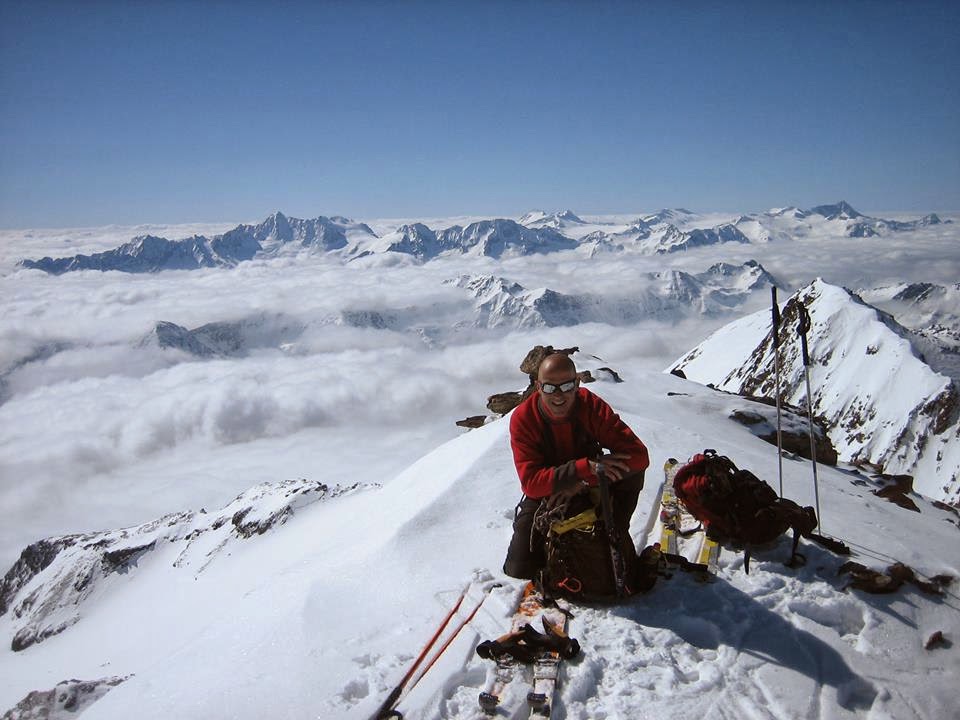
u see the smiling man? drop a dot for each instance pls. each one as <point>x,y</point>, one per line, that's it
<point>558,436</point>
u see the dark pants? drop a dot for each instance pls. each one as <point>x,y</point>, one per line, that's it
<point>526,555</point>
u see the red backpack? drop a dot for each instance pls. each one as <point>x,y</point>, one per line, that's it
<point>736,507</point>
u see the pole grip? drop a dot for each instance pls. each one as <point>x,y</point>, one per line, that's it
<point>613,536</point>
<point>775,311</point>
<point>803,325</point>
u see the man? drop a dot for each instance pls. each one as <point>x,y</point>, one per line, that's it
<point>558,435</point>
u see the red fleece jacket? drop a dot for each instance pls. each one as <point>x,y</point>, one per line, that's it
<point>537,460</point>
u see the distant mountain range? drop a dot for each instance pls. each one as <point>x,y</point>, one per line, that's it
<point>489,302</point>
<point>537,232</point>
<point>872,387</point>
<point>667,294</point>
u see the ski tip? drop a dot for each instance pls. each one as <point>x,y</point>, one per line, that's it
<point>488,703</point>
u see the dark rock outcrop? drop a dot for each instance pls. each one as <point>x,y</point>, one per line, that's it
<point>69,696</point>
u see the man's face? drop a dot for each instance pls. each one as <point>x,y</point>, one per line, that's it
<point>558,403</point>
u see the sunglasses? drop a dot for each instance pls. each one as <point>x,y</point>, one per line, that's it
<point>549,388</point>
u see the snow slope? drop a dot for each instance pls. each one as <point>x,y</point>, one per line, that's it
<point>319,617</point>
<point>882,403</point>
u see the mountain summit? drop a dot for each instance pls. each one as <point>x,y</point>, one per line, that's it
<point>883,405</point>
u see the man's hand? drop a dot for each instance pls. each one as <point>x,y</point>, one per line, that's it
<point>614,466</point>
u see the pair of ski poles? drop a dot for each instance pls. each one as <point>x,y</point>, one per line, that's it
<point>388,708</point>
<point>803,326</point>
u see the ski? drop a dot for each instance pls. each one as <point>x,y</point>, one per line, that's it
<point>683,542</point>
<point>709,554</point>
<point>503,675</point>
<point>669,510</point>
<point>525,644</point>
<point>546,667</point>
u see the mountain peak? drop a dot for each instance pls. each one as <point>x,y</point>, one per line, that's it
<point>838,211</point>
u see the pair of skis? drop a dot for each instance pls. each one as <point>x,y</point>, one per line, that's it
<point>524,644</point>
<point>682,540</point>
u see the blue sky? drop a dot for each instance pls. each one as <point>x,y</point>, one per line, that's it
<point>129,112</point>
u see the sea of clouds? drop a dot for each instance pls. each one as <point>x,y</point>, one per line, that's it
<point>101,428</point>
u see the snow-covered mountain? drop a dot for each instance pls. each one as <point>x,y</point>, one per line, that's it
<point>932,311</point>
<point>667,216</point>
<point>499,238</point>
<point>296,600</point>
<point>839,219</point>
<point>276,234</point>
<point>557,220</point>
<point>667,231</point>
<point>415,239</point>
<point>147,253</point>
<point>344,366</point>
<point>662,295</point>
<point>675,240</point>
<point>226,338</point>
<point>883,405</point>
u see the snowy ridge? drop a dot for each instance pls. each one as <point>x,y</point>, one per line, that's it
<point>499,238</point>
<point>537,232</point>
<point>226,338</point>
<point>147,253</point>
<point>47,590</point>
<point>882,404</point>
<point>556,220</point>
<point>666,294</point>
<point>276,234</point>
<point>930,310</point>
<point>271,629</point>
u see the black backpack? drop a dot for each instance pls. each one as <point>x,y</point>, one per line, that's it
<point>580,559</point>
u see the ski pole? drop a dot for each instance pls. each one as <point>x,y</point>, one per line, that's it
<point>803,326</point>
<point>613,536</point>
<point>387,709</point>
<point>453,635</point>
<point>775,309</point>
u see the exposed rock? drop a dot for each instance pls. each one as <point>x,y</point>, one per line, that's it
<point>68,699</point>
<point>937,640</point>
<point>502,403</point>
<point>614,375</point>
<point>876,582</point>
<point>531,363</point>
<point>897,492</point>
<point>473,422</point>
<point>794,433</point>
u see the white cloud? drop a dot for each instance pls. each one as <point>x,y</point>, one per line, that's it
<point>95,415</point>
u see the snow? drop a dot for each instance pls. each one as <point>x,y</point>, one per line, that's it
<point>883,404</point>
<point>320,616</point>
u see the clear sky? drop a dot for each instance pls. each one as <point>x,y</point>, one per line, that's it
<point>133,111</point>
